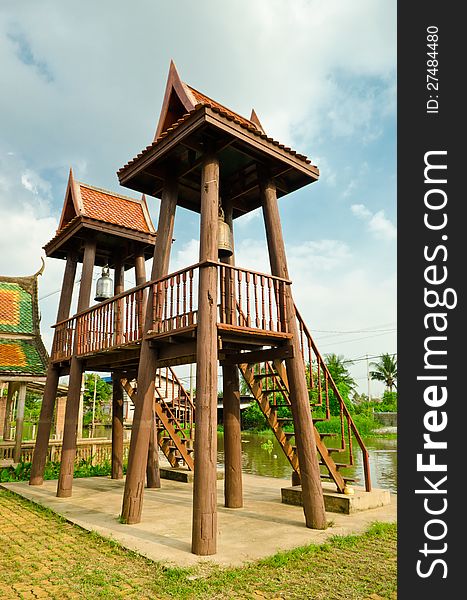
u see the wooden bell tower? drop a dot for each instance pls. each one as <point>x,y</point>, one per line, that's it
<point>96,228</point>
<point>210,160</point>
<point>202,152</point>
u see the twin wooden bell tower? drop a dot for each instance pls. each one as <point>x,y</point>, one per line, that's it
<point>212,311</point>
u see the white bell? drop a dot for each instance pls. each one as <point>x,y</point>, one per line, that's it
<point>104,286</point>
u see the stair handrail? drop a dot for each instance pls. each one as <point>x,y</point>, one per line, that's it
<point>345,410</point>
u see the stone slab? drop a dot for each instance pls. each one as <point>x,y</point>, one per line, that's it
<point>182,475</point>
<point>335,502</point>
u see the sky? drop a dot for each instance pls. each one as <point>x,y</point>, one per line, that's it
<point>81,86</point>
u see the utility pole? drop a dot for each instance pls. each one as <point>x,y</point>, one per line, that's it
<point>368,377</point>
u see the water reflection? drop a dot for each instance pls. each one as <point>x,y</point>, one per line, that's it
<point>258,458</point>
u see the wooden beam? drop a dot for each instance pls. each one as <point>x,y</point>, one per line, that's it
<point>233,485</point>
<point>312,492</point>
<point>53,374</point>
<point>204,531</point>
<point>143,418</point>
<point>256,356</point>
<point>117,426</point>
<point>65,481</point>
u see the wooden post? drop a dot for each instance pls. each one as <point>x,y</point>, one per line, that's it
<point>312,491</point>
<point>12,387</point>
<point>119,288</point>
<point>53,374</point>
<point>117,391</point>
<point>19,422</point>
<point>65,481</point>
<point>204,532</point>
<point>153,479</point>
<point>233,486</point>
<point>117,426</point>
<point>143,415</point>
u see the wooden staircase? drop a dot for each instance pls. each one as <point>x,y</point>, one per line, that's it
<point>174,415</point>
<point>269,386</point>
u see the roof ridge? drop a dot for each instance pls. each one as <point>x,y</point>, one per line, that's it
<point>109,192</point>
<point>222,105</point>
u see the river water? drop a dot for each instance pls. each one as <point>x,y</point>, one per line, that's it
<point>259,458</point>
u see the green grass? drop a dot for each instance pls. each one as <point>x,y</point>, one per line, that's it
<point>42,551</point>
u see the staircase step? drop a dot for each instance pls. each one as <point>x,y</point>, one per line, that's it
<point>326,434</point>
<point>275,406</point>
<point>271,390</point>
<point>324,476</point>
<point>289,434</point>
<point>338,465</point>
<point>264,375</point>
<point>284,419</point>
<point>319,419</point>
<point>336,449</point>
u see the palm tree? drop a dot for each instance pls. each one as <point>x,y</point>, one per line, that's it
<point>385,370</point>
<point>337,366</point>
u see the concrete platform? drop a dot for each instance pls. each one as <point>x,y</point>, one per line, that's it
<point>181,474</point>
<point>340,503</point>
<point>263,527</point>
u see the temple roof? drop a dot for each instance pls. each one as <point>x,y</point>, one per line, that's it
<point>180,98</point>
<point>189,123</point>
<point>22,352</point>
<point>120,225</point>
<point>85,200</point>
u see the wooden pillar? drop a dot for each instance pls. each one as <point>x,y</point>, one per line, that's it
<point>117,390</point>
<point>204,532</point>
<point>53,375</point>
<point>65,480</point>
<point>12,387</point>
<point>117,426</point>
<point>233,485</point>
<point>312,492</point>
<point>143,415</point>
<point>19,421</point>
<point>153,479</point>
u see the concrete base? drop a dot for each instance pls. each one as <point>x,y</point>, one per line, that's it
<point>340,503</point>
<point>262,527</point>
<point>182,475</point>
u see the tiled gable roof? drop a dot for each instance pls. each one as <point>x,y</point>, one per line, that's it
<point>20,357</point>
<point>206,101</point>
<point>15,309</point>
<point>112,208</point>
<point>84,200</point>
<point>22,351</point>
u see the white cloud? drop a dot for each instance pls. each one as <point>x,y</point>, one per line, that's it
<point>360,210</point>
<point>378,224</point>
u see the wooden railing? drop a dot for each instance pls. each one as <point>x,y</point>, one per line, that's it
<point>320,383</point>
<point>96,450</point>
<point>175,399</point>
<point>251,299</point>
<point>247,300</point>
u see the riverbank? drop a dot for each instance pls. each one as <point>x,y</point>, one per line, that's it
<point>44,556</point>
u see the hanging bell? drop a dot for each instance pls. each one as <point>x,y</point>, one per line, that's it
<point>225,241</point>
<point>104,286</point>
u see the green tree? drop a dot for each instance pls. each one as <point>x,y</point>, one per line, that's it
<point>337,366</point>
<point>385,370</point>
<point>103,395</point>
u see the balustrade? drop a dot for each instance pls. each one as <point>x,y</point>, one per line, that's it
<point>247,301</point>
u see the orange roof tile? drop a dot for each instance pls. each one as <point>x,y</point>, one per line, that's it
<point>205,100</point>
<point>111,208</point>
